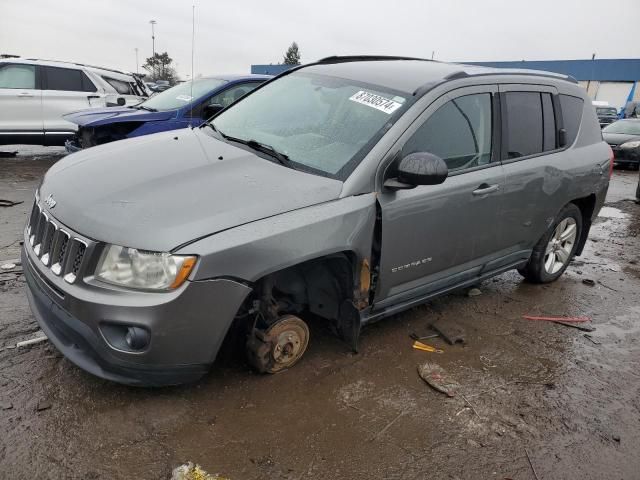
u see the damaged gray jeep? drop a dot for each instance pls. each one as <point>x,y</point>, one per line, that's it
<point>348,190</point>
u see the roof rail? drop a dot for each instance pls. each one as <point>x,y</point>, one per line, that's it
<point>80,65</point>
<point>364,58</point>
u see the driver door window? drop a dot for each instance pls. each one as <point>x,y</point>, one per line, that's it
<point>225,98</point>
<point>459,132</point>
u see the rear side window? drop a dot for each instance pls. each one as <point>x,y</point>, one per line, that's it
<point>68,80</point>
<point>122,87</point>
<point>459,132</point>
<point>18,76</point>
<point>571,116</point>
<point>531,124</point>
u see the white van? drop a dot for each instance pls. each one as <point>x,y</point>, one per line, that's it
<point>35,94</point>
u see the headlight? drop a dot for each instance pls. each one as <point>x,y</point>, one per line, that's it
<point>133,268</point>
<point>634,144</point>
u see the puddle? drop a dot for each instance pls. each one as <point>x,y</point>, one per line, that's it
<point>611,212</point>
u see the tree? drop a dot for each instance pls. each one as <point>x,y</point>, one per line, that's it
<point>159,68</point>
<point>292,55</point>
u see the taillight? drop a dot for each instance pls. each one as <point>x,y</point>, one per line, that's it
<point>610,162</point>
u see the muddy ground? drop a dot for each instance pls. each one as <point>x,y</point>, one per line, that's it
<point>538,395</point>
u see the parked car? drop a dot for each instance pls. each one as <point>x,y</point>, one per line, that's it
<point>350,189</point>
<point>35,94</point>
<point>624,138</point>
<point>185,104</point>
<point>606,115</point>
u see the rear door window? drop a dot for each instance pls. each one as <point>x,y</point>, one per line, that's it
<point>571,115</point>
<point>68,80</point>
<point>18,76</point>
<point>524,124</point>
<point>459,132</point>
<point>548,123</point>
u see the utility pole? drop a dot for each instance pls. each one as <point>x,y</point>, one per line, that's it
<point>136,49</point>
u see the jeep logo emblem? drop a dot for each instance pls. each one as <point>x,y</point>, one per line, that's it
<point>50,202</point>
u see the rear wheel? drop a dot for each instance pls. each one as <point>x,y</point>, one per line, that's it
<point>280,346</point>
<point>553,252</point>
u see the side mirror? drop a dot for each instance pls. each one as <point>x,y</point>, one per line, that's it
<point>419,168</point>
<point>210,110</point>
<point>121,102</point>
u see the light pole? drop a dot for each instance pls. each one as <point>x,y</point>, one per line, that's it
<point>136,49</point>
<point>153,37</point>
<point>153,45</point>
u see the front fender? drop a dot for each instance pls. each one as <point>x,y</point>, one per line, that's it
<point>251,251</point>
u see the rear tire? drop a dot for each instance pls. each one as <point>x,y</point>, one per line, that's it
<point>555,250</point>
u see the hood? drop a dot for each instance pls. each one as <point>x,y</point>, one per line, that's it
<point>95,117</point>
<point>619,138</point>
<point>160,191</point>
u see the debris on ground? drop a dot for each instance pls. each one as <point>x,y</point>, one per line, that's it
<point>8,266</point>
<point>577,326</point>
<point>415,336</point>
<point>438,379</point>
<point>190,471</point>
<point>588,281</point>
<point>32,341</point>
<point>449,330</point>
<point>593,340</point>
<point>558,319</point>
<point>474,292</point>
<point>9,203</point>
<point>6,405</point>
<point>43,405</point>
<point>426,348</point>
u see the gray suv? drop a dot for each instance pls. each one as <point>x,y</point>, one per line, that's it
<point>348,190</point>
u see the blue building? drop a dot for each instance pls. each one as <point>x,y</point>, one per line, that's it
<point>609,80</point>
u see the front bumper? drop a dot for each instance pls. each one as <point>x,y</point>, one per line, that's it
<point>186,327</point>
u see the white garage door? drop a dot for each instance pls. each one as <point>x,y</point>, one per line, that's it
<point>615,93</point>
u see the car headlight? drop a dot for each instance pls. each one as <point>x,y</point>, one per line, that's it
<point>133,268</point>
<point>634,144</point>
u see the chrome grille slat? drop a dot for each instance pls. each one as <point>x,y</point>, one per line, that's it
<point>57,248</point>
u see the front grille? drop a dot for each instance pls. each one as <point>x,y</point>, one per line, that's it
<point>56,248</point>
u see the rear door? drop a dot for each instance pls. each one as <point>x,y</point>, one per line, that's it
<point>436,235</point>
<point>537,169</point>
<point>65,90</point>
<point>20,100</point>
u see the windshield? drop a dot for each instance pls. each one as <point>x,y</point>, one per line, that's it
<point>181,95</point>
<point>322,124</point>
<point>606,111</point>
<point>629,127</point>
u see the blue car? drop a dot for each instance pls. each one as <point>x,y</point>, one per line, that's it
<point>188,103</point>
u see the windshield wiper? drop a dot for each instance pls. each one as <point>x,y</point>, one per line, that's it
<point>282,158</point>
<point>148,109</point>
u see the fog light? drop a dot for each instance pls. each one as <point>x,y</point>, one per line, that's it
<point>137,338</point>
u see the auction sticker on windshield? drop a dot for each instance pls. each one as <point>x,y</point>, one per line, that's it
<point>376,101</point>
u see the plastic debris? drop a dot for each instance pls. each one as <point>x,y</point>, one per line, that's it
<point>6,405</point>
<point>437,378</point>
<point>588,281</point>
<point>31,341</point>
<point>426,348</point>
<point>474,292</point>
<point>8,266</point>
<point>191,471</point>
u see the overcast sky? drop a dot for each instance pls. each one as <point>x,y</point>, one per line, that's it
<point>231,35</point>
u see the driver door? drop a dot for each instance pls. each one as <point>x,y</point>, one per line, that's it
<point>436,235</point>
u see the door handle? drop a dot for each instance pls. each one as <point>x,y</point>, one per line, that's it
<point>485,189</point>
<point>25,94</point>
<point>92,96</point>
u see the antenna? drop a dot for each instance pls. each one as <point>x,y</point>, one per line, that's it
<point>193,39</point>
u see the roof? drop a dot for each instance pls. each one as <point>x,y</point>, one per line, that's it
<point>62,64</point>
<point>234,76</point>
<point>606,69</point>
<point>407,74</point>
